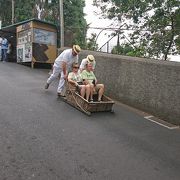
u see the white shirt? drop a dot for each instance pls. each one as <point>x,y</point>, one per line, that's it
<point>67,57</point>
<point>4,44</point>
<point>84,62</point>
<point>75,76</point>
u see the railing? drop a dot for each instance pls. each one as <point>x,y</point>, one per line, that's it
<point>107,43</point>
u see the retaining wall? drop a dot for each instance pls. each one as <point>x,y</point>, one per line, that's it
<point>150,85</point>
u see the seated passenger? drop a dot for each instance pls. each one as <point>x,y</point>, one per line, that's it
<point>74,77</point>
<point>90,79</point>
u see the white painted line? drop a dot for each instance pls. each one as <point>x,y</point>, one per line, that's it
<point>174,127</point>
<point>149,118</point>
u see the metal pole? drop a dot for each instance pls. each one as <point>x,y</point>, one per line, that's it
<point>108,47</point>
<point>61,22</point>
<point>12,12</point>
<point>97,38</point>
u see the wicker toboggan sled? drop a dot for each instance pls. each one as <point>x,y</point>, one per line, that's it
<point>73,98</point>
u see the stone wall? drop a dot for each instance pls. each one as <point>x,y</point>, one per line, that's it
<point>150,85</point>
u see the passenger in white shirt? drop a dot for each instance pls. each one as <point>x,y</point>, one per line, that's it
<point>89,59</point>
<point>62,65</point>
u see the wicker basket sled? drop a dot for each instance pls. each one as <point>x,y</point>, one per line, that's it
<point>73,98</point>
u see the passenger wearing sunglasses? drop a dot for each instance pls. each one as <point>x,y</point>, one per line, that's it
<point>75,78</point>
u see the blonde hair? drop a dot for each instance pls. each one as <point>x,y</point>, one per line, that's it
<point>74,64</point>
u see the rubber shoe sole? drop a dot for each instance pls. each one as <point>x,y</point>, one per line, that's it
<point>46,86</point>
<point>60,95</point>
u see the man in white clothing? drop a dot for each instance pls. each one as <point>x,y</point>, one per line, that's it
<point>4,48</point>
<point>88,60</point>
<point>62,65</point>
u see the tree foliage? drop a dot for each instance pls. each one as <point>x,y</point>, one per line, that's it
<point>91,42</point>
<point>74,20</point>
<point>27,9</point>
<point>5,12</point>
<point>155,24</point>
<point>126,49</point>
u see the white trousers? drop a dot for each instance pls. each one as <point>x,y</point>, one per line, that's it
<point>56,72</point>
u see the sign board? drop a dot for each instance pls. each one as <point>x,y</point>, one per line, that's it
<point>44,37</point>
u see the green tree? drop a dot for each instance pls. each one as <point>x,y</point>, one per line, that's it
<point>156,24</point>
<point>127,49</point>
<point>73,15</point>
<point>74,20</point>
<point>23,10</point>
<point>91,42</point>
<point>5,12</point>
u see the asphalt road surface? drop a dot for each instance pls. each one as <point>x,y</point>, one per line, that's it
<point>42,138</point>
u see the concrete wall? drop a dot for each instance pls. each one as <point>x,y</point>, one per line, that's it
<point>150,85</point>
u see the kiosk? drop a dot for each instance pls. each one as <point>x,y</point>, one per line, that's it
<point>33,41</point>
<point>36,42</point>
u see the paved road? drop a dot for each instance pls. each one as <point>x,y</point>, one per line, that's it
<point>42,138</point>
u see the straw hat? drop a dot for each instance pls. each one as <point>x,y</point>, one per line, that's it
<point>90,58</point>
<point>76,49</point>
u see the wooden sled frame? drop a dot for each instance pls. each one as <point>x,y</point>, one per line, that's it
<point>73,98</point>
